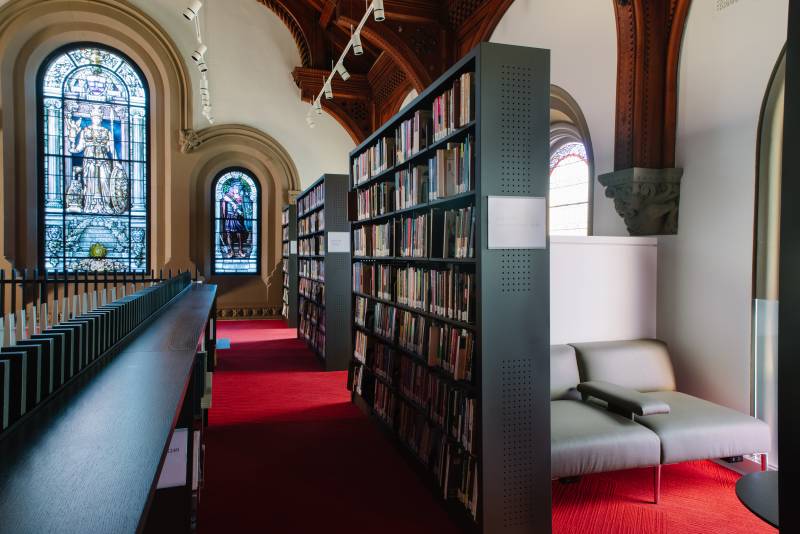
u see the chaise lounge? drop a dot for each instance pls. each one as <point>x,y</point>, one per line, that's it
<point>614,406</point>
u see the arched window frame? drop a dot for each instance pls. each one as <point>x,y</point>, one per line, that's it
<point>40,147</point>
<point>568,125</point>
<point>257,223</point>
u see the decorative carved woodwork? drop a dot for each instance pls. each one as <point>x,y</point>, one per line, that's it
<point>649,35</point>
<point>418,40</point>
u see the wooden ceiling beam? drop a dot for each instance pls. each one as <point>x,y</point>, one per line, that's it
<point>310,81</point>
<point>407,11</point>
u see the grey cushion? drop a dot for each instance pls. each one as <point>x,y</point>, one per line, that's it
<point>586,439</point>
<point>642,364</point>
<point>563,372</point>
<point>623,399</point>
<point>696,429</point>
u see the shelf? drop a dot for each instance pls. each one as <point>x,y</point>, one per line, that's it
<point>452,199</point>
<point>399,259</point>
<point>317,232</point>
<point>312,301</point>
<point>425,151</point>
<point>312,279</point>
<point>418,311</point>
<point>310,211</point>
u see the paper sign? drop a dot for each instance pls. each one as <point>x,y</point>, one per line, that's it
<point>173,473</point>
<point>338,241</point>
<point>292,247</point>
<point>517,222</point>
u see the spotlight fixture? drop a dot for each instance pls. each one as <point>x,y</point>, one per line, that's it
<point>310,121</point>
<point>318,106</point>
<point>328,90</point>
<point>378,12</point>
<point>198,54</point>
<point>202,66</point>
<point>342,71</point>
<point>358,49</point>
<point>194,7</point>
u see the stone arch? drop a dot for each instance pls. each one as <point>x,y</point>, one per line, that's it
<point>29,32</point>
<point>210,151</point>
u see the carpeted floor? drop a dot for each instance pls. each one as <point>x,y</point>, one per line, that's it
<point>286,452</point>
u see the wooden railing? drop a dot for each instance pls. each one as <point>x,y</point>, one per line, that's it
<point>31,301</point>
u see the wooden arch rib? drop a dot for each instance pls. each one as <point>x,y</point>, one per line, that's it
<point>294,28</point>
<point>389,41</point>
<point>481,24</point>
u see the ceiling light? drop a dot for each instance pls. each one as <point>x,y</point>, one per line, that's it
<point>198,54</point>
<point>328,90</point>
<point>378,12</point>
<point>342,71</point>
<point>202,66</point>
<point>310,121</point>
<point>358,49</point>
<point>194,7</point>
<point>318,106</point>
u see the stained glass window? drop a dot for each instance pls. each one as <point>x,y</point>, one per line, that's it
<point>94,124</point>
<point>236,225</point>
<point>569,190</point>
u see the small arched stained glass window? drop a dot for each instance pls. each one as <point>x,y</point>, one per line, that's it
<point>569,190</point>
<point>94,167</point>
<point>236,223</point>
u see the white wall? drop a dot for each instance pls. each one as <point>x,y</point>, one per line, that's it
<point>582,38</point>
<point>602,288</point>
<point>251,56</point>
<point>705,271</point>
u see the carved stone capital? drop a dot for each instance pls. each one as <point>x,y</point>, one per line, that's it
<point>190,141</point>
<point>646,199</point>
<point>293,194</point>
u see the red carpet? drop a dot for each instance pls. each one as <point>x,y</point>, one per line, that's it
<point>287,452</point>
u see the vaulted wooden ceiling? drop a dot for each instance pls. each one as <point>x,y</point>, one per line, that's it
<point>416,43</point>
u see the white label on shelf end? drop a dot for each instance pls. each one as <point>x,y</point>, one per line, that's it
<point>173,473</point>
<point>338,241</point>
<point>292,247</point>
<point>517,222</point>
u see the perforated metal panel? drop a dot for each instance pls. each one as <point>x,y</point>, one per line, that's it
<point>517,126</point>
<point>517,413</point>
<point>516,272</point>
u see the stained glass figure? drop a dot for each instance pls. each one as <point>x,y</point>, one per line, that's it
<point>94,121</point>
<point>236,223</point>
<point>569,190</point>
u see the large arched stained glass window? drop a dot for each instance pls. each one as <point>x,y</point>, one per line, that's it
<point>94,124</point>
<point>236,223</point>
<point>569,190</point>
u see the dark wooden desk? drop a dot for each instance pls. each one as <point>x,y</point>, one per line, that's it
<point>89,460</point>
<point>759,493</point>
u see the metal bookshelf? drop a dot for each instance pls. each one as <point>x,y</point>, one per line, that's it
<point>324,317</point>
<point>289,247</point>
<point>510,374</point>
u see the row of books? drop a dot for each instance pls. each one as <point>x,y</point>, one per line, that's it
<point>373,279</point>
<point>311,246</point>
<point>285,280</point>
<point>360,311</point>
<point>450,235</point>
<point>454,108</point>
<point>312,334</point>
<point>414,236</point>
<point>449,407</point>
<point>377,199</point>
<point>361,347</point>
<point>285,218</point>
<point>313,199</point>
<point>410,186</point>
<point>285,249</point>
<point>413,135</point>
<point>418,433</point>
<point>383,361</point>
<point>309,309</point>
<point>374,160</point>
<point>311,223</point>
<point>451,170</point>
<point>355,378</point>
<point>374,240</point>
<point>311,268</point>
<point>285,233</point>
<point>384,402</point>
<point>442,345</point>
<point>312,290</point>
<point>457,472</point>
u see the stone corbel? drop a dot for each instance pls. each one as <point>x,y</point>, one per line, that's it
<point>190,141</point>
<point>646,199</point>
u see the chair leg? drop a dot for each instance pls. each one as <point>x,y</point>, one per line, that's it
<point>764,459</point>
<point>657,484</point>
